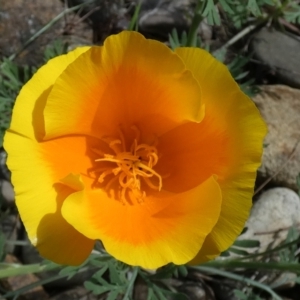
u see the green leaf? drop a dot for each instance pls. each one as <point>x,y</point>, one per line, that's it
<point>133,25</point>
<point>183,38</point>
<point>211,13</point>
<point>220,54</point>
<point>113,295</point>
<point>164,272</point>
<point>159,292</point>
<point>114,274</point>
<point>151,295</point>
<point>226,6</point>
<point>240,295</point>
<point>247,243</point>
<point>254,8</point>
<point>292,235</point>
<point>183,270</point>
<point>98,275</point>
<point>238,251</point>
<point>69,271</point>
<point>225,254</point>
<point>174,39</point>
<point>58,47</point>
<point>96,288</point>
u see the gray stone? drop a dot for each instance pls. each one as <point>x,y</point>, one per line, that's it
<point>21,19</point>
<point>274,213</point>
<point>7,192</point>
<point>4,172</point>
<point>281,52</point>
<point>280,107</point>
<point>75,293</point>
<point>162,16</point>
<point>10,225</point>
<point>194,291</point>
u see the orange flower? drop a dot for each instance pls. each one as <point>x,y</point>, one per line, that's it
<point>151,151</point>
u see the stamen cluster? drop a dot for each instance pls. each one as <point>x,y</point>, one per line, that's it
<point>133,167</point>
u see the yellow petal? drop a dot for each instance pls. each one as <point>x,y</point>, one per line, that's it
<point>27,116</point>
<point>168,228</point>
<point>36,168</point>
<point>237,195</point>
<point>237,132</point>
<point>129,81</point>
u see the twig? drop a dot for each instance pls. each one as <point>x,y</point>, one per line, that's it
<point>289,25</point>
<point>240,35</point>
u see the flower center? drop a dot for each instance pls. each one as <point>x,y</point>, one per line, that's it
<point>131,168</point>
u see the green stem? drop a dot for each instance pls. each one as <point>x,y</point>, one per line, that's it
<point>251,256</point>
<point>28,287</point>
<point>133,25</point>
<point>131,283</point>
<point>8,270</point>
<point>282,266</point>
<point>239,278</point>
<point>197,19</point>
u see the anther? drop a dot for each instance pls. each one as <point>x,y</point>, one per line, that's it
<point>133,168</point>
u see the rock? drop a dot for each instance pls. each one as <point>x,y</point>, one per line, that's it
<point>279,51</point>
<point>10,225</point>
<point>7,192</point>
<point>280,107</point>
<point>285,280</point>
<point>274,213</point>
<point>160,17</point>
<point>76,293</point>
<point>16,282</point>
<point>194,291</point>
<point>21,19</point>
<point>224,289</point>
<point>4,172</point>
<point>105,17</point>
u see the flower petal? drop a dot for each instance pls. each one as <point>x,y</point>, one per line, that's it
<point>36,167</point>
<point>229,144</point>
<point>170,228</point>
<point>27,116</point>
<point>129,81</point>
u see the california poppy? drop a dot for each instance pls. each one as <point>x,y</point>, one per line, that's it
<point>152,151</point>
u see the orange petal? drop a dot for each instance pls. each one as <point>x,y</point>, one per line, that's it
<point>170,228</point>
<point>228,143</point>
<point>27,118</point>
<point>36,167</point>
<point>129,81</point>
